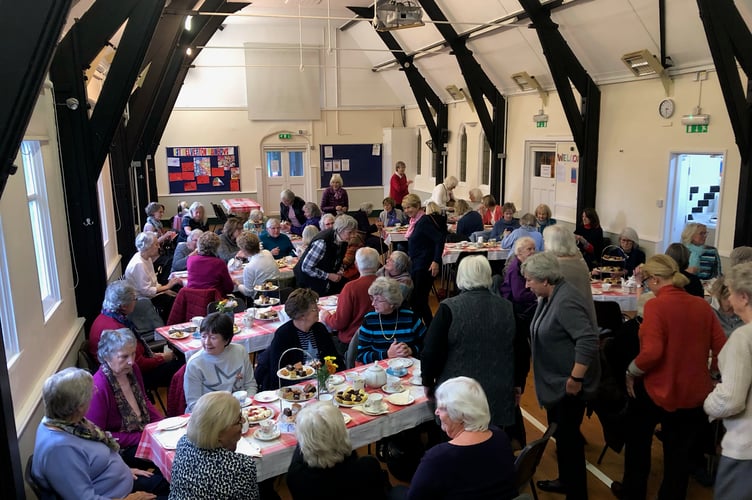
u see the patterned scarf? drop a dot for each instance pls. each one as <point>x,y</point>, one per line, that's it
<point>84,429</point>
<point>156,224</point>
<point>123,320</point>
<point>131,421</point>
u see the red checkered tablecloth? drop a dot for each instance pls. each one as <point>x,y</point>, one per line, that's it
<point>240,204</point>
<point>452,251</point>
<point>627,300</point>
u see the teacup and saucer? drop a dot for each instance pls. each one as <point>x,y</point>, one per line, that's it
<point>375,404</point>
<point>267,430</point>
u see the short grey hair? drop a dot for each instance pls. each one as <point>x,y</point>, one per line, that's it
<point>343,223</point>
<point>309,232</point>
<point>194,235</point>
<point>66,393</point>
<point>740,255</point>
<point>312,208</point>
<point>475,194</point>
<point>195,206</point>
<point>118,294</point>
<point>208,244</point>
<point>401,261</point>
<point>527,220</point>
<point>739,279</point>
<point>387,288</point>
<point>325,219</point>
<point>256,215</point>
<point>367,260</point>
<point>286,195</point>
<point>212,414</point>
<point>366,207</point>
<point>145,240</point>
<point>560,241</point>
<point>113,341</point>
<point>322,435</point>
<point>522,240</point>
<point>153,207</point>
<point>474,273</point>
<point>465,401</point>
<point>542,267</point>
<point>271,221</point>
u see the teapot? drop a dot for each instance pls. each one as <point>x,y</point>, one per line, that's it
<point>375,376</point>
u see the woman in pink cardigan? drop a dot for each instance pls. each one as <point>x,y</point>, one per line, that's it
<point>206,270</point>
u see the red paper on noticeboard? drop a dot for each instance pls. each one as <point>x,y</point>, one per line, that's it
<point>187,166</point>
<point>234,185</point>
<point>176,176</point>
<point>217,172</point>
<point>188,176</point>
<point>202,179</point>
<point>189,186</point>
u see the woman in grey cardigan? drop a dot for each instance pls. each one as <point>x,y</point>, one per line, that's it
<point>565,364</point>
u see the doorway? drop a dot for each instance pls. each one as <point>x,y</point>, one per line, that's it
<point>284,168</point>
<point>551,170</point>
<point>694,194</point>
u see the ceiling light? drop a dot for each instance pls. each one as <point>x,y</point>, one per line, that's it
<point>396,15</point>
<point>455,92</point>
<point>188,23</point>
<point>189,51</point>
<point>643,63</point>
<point>527,82</point>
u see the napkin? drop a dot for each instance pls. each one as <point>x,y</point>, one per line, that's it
<point>249,448</point>
<point>169,439</point>
<point>400,398</point>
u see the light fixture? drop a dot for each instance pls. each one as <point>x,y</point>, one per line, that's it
<point>643,63</point>
<point>396,15</point>
<point>541,117</point>
<point>71,103</point>
<point>188,23</point>
<point>455,92</point>
<point>189,51</point>
<point>696,118</point>
<point>528,82</point>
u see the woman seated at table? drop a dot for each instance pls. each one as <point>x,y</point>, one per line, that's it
<point>489,210</point>
<point>397,267</point>
<point>302,331</point>
<point>255,222</point>
<point>206,465</point>
<point>157,369</point>
<point>391,331</point>
<point>477,462</point>
<point>261,266</point>
<point>291,211</point>
<point>275,241</point>
<point>195,219</point>
<point>704,260</point>
<point>312,214</point>
<point>628,249</point>
<point>680,254</point>
<point>309,233</point>
<point>73,457</point>
<point>507,223</point>
<point>543,217</point>
<point>119,404</point>
<point>334,199</point>
<point>140,273</point>
<point>206,270</point>
<point>469,220</point>
<point>527,228</point>
<point>220,365</point>
<point>391,216</point>
<point>154,212</point>
<point>228,240</point>
<point>349,269</point>
<point>366,228</point>
<point>327,222</point>
<point>184,250</point>
<point>589,237</point>
<point>324,459</point>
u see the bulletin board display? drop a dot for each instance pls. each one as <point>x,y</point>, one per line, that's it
<point>358,164</point>
<point>203,169</point>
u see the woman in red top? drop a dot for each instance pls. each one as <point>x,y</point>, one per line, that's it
<point>398,184</point>
<point>668,380</point>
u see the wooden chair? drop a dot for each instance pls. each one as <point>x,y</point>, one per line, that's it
<point>529,458</point>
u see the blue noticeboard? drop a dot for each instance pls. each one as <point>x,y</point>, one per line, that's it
<point>358,164</point>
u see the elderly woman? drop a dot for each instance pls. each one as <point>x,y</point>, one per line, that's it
<point>704,260</point>
<point>469,221</point>
<point>220,365</point>
<point>206,270</point>
<point>194,219</point>
<point>157,369</point>
<point>507,223</point>
<point>320,266</point>
<point>740,255</point>
<point>255,222</point>
<point>490,210</point>
<point>473,334</point>
<point>291,211</point>
<point>589,236</point>
<point>334,199</point>
<point>312,214</point>
<point>228,244</point>
<point>206,465</point>
<point>119,404</point>
<point>629,250</point>
<point>185,250</point>
<point>324,457</point>
<point>76,459</point>
<point>476,198</point>
<point>565,364</point>
<point>669,379</point>
<point>443,194</point>
<point>680,254</point>
<point>327,222</point>
<point>303,331</point>
<point>154,213</point>
<point>140,273</point>
<point>425,237</point>
<point>731,399</point>
<point>527,228</point>
<point>261,266</point>
<point>477,462</point>
<point>723,308</point>
<point>399,184</point>
<point>309,233</point>
<point>275,241</point>
<point>397,267</point>
<point>543,217</point>
<point>391,215</point>
<point>391,331</point>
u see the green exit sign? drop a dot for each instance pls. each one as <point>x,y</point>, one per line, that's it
<point>697,129</point>
<point>541,124</point>
<point>285,136</point>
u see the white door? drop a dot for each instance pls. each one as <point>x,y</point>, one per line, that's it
<point>285,168</point>
<point>541,175</point>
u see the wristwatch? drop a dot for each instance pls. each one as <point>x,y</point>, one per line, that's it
<point>577,379</point>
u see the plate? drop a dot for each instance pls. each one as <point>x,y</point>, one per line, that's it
<point>235,329</point>
<point>266,396</point>
<point>171,423</point>
<point>256,414</point>
<point>347,418</point>
<point>266,287</point>
<point>342,397</point>
<point>285,374</point>
<point>270,315</point>
<point>263,437</point>
<point>245,404</point>
<point>289,393</point>
<point>597,292</point>
<point>336,379</point>
<point>178,334</point>
<point>395,399</point>
<point>387,390</point>
<point>266,301</point>
<point>384,410</point>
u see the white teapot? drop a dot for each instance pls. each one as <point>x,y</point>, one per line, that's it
<point>375,376</point>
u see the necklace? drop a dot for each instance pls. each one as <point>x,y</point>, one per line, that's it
<point>394,332</point>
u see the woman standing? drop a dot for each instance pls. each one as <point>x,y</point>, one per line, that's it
<point>731,399</point>
<point>589,237</point>
<point>398,184</point>
<point>206,465</point>
<point>668,380</point>
<point>194,219</point>
<point>334,199</point>
<point>119,404</point>
<point>206,270</point>
<point>704,260</point>
<point>443,194</point>
<point>566,367</point>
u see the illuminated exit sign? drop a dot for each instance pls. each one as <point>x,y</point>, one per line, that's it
<point>697,129</point>
<point>285,136</point>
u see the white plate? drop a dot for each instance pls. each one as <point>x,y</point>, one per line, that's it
<point>178,334</point>
<point>256,422</point>
<point>263,437</point>
<point>266,396</point>
<point>383,411</point>
<point>596,292</point>
<point>260,288</point>
<point>403,362</point>
<point>271,301</point>
<point>171,423</point>
<point>310,374</point>
<point>347,418</point>
<point>389,390</point>
<point>275,317</point>
<point>395,401</point>
<point>336,379</point>
<point>245,404</point>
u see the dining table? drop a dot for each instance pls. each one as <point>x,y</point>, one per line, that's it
<point>273,456</point>
<point>493,251</point>
<point>240,206</point>
<point>285,266</point>
<point>626,297</point>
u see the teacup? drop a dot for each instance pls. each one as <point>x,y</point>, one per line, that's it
<point>267,427</point>
<point>329,398</point>
<point>246,425</point>
<point>479,240</point>
<point>397,367</point>
<point>393,383</point>
<point>375,402</point>
<point>241,396</point>
<point>248,320</point>
<point>196,320</point>
<point>356,380</point>
<point>606,287</point>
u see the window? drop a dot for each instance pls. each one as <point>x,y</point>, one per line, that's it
<point>485,161</point>
<point>103,209</point>
<point>285,163</point>
<point>420,153</point>
<point>39,213</point>
<point>7,320</point>
<point>463,155</point>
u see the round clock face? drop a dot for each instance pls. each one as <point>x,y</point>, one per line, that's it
<point>666,108</point>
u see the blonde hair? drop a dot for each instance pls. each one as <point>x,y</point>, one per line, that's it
<point>213,413</point>
<point>690,230</point>
<point>336,178</point>
<point>432,208</point>
<point>322,435</point>
<point>411,200</point>
<point>461,207</point>
<point>663,266</point>
<point>545,209</point>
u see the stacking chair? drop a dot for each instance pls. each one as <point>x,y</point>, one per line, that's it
<point>191,302</point>
<point>529,458</point>
<point>609,317</point>
<point>176,395</point>
<point>352,352</point>
<point>85,359</point>
<point>212,306</point>
<point>219,214</point>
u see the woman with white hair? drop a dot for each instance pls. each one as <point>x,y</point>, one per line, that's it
<point>140,273</point>
<point>206,465</point>
<point>477,462</point>
<point>275,241</point>
<point>704,260</point>
<point>194,219</point>
<point>309,233</point>
<point>334,199</point>
<point>527,228</point>
<point>327,222</point>
<point>185,250</point>
<point>629,249</point>
<point>261,266</point>
<point>473,334</point>
<point>443,194</point>
<point>565,364</point>
<point>291,211</point>
<point>312,214</point>
<point>397,267</point>
<point>324,458</point>
<point>255,222</point>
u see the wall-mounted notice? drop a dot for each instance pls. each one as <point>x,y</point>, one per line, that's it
<point>358,164</point>
<point>203,169</point>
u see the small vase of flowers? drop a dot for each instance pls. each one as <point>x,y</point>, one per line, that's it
<point>227,306</point>
<point>324,371</point>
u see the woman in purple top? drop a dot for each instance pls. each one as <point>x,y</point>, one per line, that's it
<point>206,270</point>
<point>477,462</point>
<point>334,199</point>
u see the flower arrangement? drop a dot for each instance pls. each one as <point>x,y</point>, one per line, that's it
<point>324,371</point>
<point>227,305</point>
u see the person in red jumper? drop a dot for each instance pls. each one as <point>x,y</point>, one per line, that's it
<point>398,184</point>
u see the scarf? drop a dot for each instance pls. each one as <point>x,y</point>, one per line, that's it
<point>84,429</point>
<point>156,224</point>
<point>123,320</point>
<point>130,421</point>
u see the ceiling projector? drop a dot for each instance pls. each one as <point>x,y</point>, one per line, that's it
<point>396,15</point>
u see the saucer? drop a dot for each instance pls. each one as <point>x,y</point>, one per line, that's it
<point>368,411</point>
<point>266,396</point>
<point>248,402</point>
<point>267,437</point>
<point>400,372</point>
<point>392,390</point>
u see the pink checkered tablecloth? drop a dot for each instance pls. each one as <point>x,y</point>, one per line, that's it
<point>627,300</point>
<point>452,251</point>
<point>233,205</point>
<point>277,454</point>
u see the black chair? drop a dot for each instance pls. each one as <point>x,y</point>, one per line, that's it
<point>85,359</point>
<point>219,214</point>
<point>609,317</point>
<point>352,352</point>
<point>529,458</point>
<point>212,307</point>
